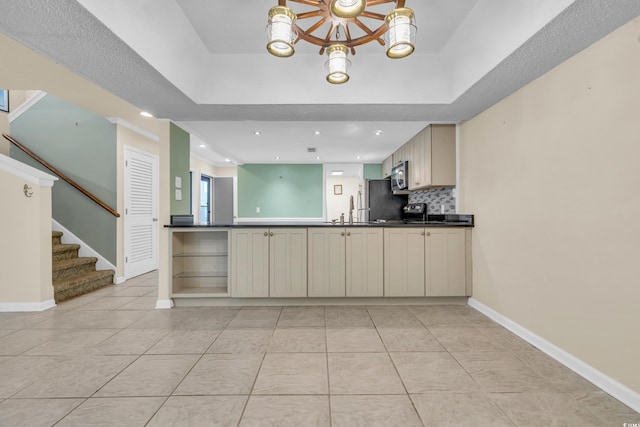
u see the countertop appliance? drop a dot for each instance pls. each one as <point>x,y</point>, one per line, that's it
<point>400,178</point>
<point>380,203</point>
<point>415,212</point>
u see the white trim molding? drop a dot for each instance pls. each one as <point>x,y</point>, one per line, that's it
<point>22,108</point>
<point>122,122</point>
<point>6,307</point>
<point>619,391</point>
<point>85,250</point>
<point>26,172</point>
<point>164,304</point>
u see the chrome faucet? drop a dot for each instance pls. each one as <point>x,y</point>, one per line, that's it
<point>350,210</point>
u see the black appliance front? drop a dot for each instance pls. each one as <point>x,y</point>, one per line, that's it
<point>381,203</point>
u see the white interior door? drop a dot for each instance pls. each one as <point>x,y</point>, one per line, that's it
<point>141,212</point>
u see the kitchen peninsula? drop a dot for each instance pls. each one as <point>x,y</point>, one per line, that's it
<point>320,262</point>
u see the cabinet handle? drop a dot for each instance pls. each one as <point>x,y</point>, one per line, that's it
<point>422,233</point>
<point>417,183</point>
<point>428,233</point>
<point>271,234</point>
<point>266,234</point>
<point>342,234</point>
<point>348,233</point>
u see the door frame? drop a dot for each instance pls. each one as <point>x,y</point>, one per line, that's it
<point>156,205</point>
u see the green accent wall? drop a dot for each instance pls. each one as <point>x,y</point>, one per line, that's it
<point>82,145</point>
<point>180,159</point>
<point>280,191</point>
<point>372,171</point>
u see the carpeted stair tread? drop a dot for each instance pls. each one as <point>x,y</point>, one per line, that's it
<point>64,248</point>
<point>56,234</point>
<point>70,287</point>
<point>73,262</point>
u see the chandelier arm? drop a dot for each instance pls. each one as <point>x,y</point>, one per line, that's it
<point>372,15</point>
<point>400,3</point>
<point>313,3</point>
<point>371,35</point>
<point>347,35</point>
<point>311,29</point>
<point>311,14</point>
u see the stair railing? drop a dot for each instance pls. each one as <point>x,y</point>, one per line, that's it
<point>62,176</point>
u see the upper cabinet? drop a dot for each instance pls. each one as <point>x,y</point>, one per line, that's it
<point>387,164</point>
<point>432,157</point>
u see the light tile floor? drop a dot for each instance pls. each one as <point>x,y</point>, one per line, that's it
<point>109,358</point>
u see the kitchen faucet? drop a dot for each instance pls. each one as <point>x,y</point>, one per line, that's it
<point>351,210</point>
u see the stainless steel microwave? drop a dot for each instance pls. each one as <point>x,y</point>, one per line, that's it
<point>400,177</point>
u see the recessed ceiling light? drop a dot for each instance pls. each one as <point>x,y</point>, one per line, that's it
<point>227,160</point>
<point>358,157</point>
<point>337,172</point>
<point>277,157</point>
<point>378,132</point>
<point>317,157</point>
<point>145,114</point>
<point>317,132</point>
<point>257,132</point>
<point>203,146</point>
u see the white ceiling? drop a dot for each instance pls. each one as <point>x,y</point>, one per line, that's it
<point>204,65</point>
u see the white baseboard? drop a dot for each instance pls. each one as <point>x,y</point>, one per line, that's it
<point>26,306</point>
<point>621,392</point>
<point>85,250</point>
<point>164,303</point>
<point>118,280</point>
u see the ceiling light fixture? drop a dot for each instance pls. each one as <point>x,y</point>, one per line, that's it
<point>257,132</point>
<point>203,146</point>
<point>227,160</point>
<point>337,172</point>
<point>317,132</point>
<point>397,30</point>
<point>378,132</point>
<point>146,114</point>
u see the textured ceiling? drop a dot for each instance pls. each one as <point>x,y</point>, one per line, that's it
<point>170,73</point>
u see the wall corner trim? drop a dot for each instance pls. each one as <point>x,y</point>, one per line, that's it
<point>26,172</point>
<point>6,307</point>
<point>122,122</point>
<point>22,108</point>
<point>619,391</point>
<point>164,304</point>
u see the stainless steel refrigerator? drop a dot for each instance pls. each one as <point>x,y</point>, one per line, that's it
<point>380,203</point>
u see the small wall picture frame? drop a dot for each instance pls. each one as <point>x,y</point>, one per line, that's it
<point>4,100</point>
<point>337,190</point>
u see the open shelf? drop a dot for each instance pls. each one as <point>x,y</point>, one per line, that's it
<point>200,262</point>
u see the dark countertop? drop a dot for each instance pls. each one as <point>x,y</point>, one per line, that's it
<point>441,220</point>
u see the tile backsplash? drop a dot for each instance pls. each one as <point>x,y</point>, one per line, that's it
<point>434,198</point>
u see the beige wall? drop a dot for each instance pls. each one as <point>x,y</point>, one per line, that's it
<point>25,252</point>
<point>552,175</point>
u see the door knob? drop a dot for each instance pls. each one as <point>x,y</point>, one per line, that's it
<point>155,219</point>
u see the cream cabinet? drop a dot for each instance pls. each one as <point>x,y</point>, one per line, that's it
<point>269,262</point>
<point>199,262</point>
<point>404,262</point>
<point>433,157</point>
<point>345,262</point>
<point>364,262</point>
<point>445,252</point>
<point>432,262</point>
<point>327,266</point>
<point>287,262</point>
<point>387,165</point>
<point>250,263</point>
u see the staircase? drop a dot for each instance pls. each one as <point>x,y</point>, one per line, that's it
<point>73,275</point>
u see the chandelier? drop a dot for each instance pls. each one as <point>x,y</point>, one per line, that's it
<point>338,27</point>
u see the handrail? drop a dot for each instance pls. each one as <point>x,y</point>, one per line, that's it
<point>62,176</point>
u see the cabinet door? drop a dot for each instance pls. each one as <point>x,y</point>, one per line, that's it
<point>326,266</point>
<point>288,262</point>
<point>404,262</point>
<point>250,263</point>
<point>443,155</point>
<point>387,164</point>
<point>364,257</point>
<point>445,262</point>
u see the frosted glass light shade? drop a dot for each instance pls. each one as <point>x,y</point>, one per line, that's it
<point>280,34</point>
<point>337,65</point>
<point>347,8</point>
<point>401,35</point>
